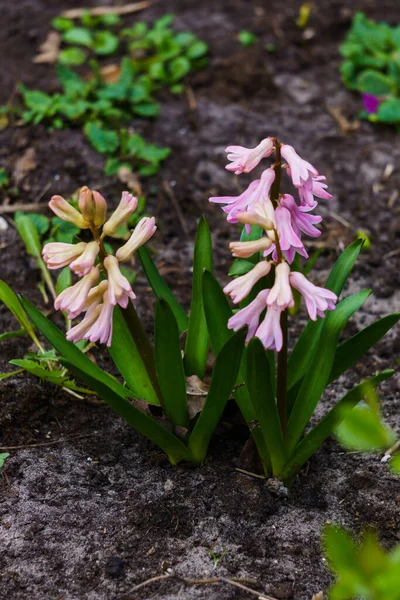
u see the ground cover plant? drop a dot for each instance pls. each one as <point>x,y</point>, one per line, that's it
<point>371,66</point>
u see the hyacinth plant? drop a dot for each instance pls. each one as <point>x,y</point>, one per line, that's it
<point>276,393</point>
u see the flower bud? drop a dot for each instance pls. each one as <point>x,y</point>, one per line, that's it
<point>140,235</point>
<point>247,249</point>
<point>126,207</point>
<point>100,208</point>
<point>68,213</point>
<point>86,203</point>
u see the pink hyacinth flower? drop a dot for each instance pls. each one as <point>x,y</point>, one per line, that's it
<point>244,160</point>
<point>247,249</point>
<point>258,191</point>
<point>317,299</point>
<point>72,300</point>
<point>121,214</point>
<point>118,286</point>
<point>78,332</point>
<point>300,216</point>
<point>66,212</point>
<point>289,239</point>
<point>101,329</point>
<point>249,315</point>
<point>143,231</point>
<point>100,208</point>
<point>57,254</point>
<point>95,296</point>
<point>241,287</point>
<point>281,293</point>
<point>301,171</point>
<point>83,265</point>
<point>315,187</point>
<point>269,331</point>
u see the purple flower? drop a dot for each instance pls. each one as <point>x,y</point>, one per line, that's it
<point>241,287</point>
<point>270,332</point>
<point>250,315</point>
<point>289,234</point>
<point>317,299</point>
<point>300,216</point>
<point>301,171</point>
<point>370,102</point>
<point>281,293</point>
<point>315,187</point>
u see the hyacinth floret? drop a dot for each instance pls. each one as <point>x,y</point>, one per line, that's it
<point>101,285</point>
<point>283,221</point>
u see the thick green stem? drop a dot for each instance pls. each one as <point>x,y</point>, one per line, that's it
<point>143,345</point>
<point>281,387</point>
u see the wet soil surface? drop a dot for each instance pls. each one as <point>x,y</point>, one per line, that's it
<point>93,516</point>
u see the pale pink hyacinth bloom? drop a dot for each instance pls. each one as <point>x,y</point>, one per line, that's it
<point>126,207</point>
<point>58,254</point>
<point>314,188</point>
<point>269,331</point>
<point>85,204</point>
<point>250,315</point>
<point>101,329</point>
<point>289,239</point>
<point>301,171</point>
<point>317,299</point>
<point>247,249</point>
<point>143,231</point>
<point>281,293</point>
<point>300,216</point>
<point>72,300</point>
<point>241,287</point>
<point>78,332</point>
<point>95,296</point>
<point>100,208</point>
<point>244,160</point>
<point>82,265</point>
<point>66,212</point>
<point>261,214</point>
<point>257,191</point>
<point>118,286</point>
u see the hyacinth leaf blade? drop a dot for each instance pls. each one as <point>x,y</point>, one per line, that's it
<point>197,340</point>
<point>305,348</point>
<point>218,312</point>
<point>69,351</point>
<point>350,351</point>
<point>56,377</point>
<point>262,394</point>
<point>130,358</point>
<point>160,288</point>
<point>169,364</point>
<point>223,380</point>
<point>9,298</point>
<point>316,378</point>
<point>64,280</point>
<point>140,421</point>
<point>318,434</point>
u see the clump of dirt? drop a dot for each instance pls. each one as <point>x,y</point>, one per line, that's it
<point>94,515</point>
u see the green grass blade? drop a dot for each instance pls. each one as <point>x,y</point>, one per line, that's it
<point>8,297</point>
<point>318,434</point>
<point>224,378</point>
<point>263,397</point>
<point>197,341</point>
<point>161,289</point>
<point>354,348</point>
<point>70,352</point>
<point>169,364</point>
<point>139,420</point>
<point>129,361</point>
<point>319,369</point>
<point>303,352</point>
<point>218,312</point>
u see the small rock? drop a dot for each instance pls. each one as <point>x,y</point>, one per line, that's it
<point>361,479</point>
<point>281,591</point>
<point>114,566</point>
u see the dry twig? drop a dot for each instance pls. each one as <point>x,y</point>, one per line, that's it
<point>33,206</point>
<point>98,11</point>
<point>51,442</point>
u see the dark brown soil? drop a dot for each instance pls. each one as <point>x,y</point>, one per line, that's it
<point>90,518</point>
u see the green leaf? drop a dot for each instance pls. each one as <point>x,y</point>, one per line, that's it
<point>62,231</point>
<point>179,67</point>
<point>169,364</point>
<point>340,548</point>
<point>3,457</point>
<point>110,19</point>
<point>223,379</point>
<point>262,395</point>
<point>316,378</point>
<point>72,56</point>
<point>160,288</point>
<point>103,140</point>
<point>8,298</point>
<point>64,280</point>
<point>147,109</point>
<point>31,366</point>
<point>41,222</point>
<point>105,43</point>
<point>241,266</point>
<point>10,374</point>
<point>29,234</point>
<point>196,50</point>
<point>350,351</point>
<point>10,335</point>
<point>375,83</point>
<point>129,361</point>
<point>144,424</point>
<point>318,434</point>
<point>197,341</point>
<point>303,352</point>
<point>78,35</point>
<point>247,38</point>
<point>62,23</point>
<point>362,429</point>
<point>389,111</point>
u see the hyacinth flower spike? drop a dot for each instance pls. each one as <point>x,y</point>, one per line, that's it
<point>244,160</point>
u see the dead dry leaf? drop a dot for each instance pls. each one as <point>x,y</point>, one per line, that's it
<point>345,125</point>
<point>125,175</point>
<point>319,596</point>
<point>23,165</point>
<point>50,49</point>
<point>196,387</point>
<point>110,73</point>
<point>97,11</point>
